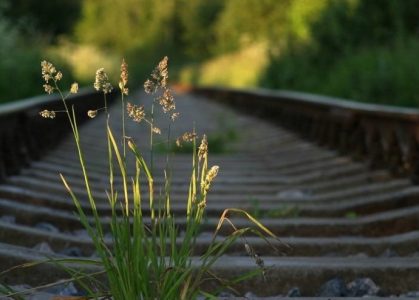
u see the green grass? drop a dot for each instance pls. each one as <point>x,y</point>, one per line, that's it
<point>351,215</point>
<point>145,259</point>
<point>378,74</point>
<point>18,65</point>
<point>284,211</point>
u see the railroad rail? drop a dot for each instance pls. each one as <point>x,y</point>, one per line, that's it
<point>25,137</point>
<point>379,134</point>
<point>346,204</point>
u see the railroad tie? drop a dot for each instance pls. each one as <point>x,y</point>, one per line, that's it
<point>341,219</point>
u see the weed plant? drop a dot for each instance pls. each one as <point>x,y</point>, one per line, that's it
<point>147,258</point>
<point>285,211</point>
<point>220,142</point>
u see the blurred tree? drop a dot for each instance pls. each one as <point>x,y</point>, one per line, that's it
<point>357,49</point>
<point>301,14</point>
<point>48,17</point>
<point>349,24</point>
<point>122,25</point>
<point>21,50</point>
<point>243,22</point>
<point>19,63</point>
<point>197,18</point>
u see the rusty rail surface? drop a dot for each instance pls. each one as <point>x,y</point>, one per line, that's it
<point>385,136</point>
<point>24,136</point>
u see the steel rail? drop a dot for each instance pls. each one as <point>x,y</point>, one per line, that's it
<point>383,135</point>
<point>25,137</point>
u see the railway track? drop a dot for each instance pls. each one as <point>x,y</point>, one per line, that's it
<point>334,182</point>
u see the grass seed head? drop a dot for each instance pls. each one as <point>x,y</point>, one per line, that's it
<point>212,173</point>
<point>48,71</point>
<point>124,78</point>
<point>150,87</point>
<point>156,130</point>
<point>74,88</point>
<point>48,88</point>
<point>203,148</point>
<point>135,112</point>
<point>167,101</point>
<point>188,136</point>
<point>174,116</point>
<point>161,72</point>
<point>159,77</point>
<point>202,204</point>
<point>92,113</point>
<point>102,82</point>
<point>47,114</point>
<point>58,76</point>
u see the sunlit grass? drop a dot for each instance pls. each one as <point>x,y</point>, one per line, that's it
<point>239,69</point>
<point>83,58</point>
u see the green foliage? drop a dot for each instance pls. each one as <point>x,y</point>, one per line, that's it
<point>192,29</point>
<point>18,65</point>
<point>243,22</point>
<point>285,211</point>
<point>300,15</point>
<point>51,18</point>
<point>351,24</point>
<point>351,215</point>
<point>386,75</point>
<point>126,25</point>
<point>350,48</point>
<point>139,30</point>
<point>359,49</point>
<point>197,18</point>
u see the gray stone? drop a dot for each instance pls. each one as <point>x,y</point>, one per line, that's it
<point>335,287</point>
<point>362,287</point>
<point>250,295</point>
<point>43,247</point>
<point>47,227</point>
<point>72,251</point>
<point>360,255</point>
<point>63,289</point>
<point>95,255</point>
<point>389,253</point>
<point>8,219</point>
<point>331,254</point>
<point>81,233</point>
<point>34,295</point>
<point>412,294</point>
<point>206,234</point>
<point>226,295</point>
<point>294,292</point>
<point>20,287</point>
<point>294,194</point>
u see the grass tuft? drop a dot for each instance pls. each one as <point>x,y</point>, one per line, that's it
<point>145,259</point>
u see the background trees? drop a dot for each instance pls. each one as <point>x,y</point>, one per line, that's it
<point>362,49</point>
